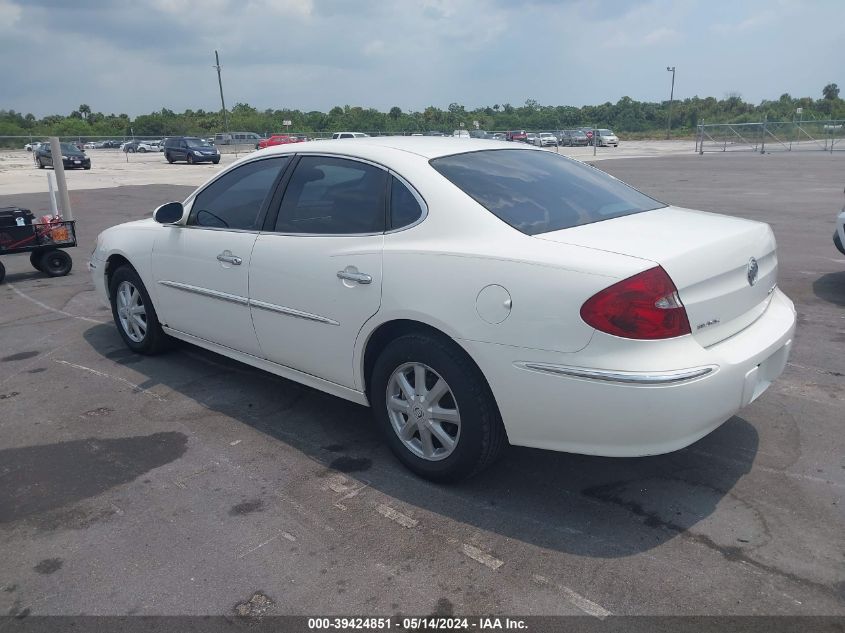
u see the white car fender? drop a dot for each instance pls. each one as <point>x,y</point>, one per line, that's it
<point>134,241</point>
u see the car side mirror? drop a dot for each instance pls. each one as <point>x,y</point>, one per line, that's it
<point>169,213</point>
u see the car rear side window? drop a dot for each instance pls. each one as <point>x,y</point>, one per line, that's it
<point>333,196</point>
<point>405,208</point>
<point>234,200</point>
<point>538,191</point>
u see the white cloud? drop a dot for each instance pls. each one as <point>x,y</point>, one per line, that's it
<point>374,48</point>
<point>9,15</point>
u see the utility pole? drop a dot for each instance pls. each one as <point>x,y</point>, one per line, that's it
<point>222,102</point>
<point>671,69</point>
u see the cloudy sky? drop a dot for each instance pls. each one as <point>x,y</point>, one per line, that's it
<point>136,56</point>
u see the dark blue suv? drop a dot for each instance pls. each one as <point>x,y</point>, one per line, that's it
<point>190,149</point>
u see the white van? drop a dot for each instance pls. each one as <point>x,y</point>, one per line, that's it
<point>237,138</point>
<point>338,135</point>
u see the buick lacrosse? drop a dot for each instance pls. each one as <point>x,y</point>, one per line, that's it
<point>473,293</point>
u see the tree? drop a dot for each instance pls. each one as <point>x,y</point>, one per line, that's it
<point>84,110</point>
<point>830,91</point>
<point>395,112</point>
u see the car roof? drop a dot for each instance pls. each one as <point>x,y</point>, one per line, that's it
<point>426,146</point>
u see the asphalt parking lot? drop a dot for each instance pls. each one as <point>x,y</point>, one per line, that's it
<point>188,483</point>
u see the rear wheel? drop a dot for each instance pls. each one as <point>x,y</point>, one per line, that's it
<point>142,150</point>
<point>134,314</point>
<point>435,408</point>
<point>168,157</point>
<point>35,259</point>
<point>55,263</point>
<point>2,272</point>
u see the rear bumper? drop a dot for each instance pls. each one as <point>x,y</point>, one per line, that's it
<point>645,404</point>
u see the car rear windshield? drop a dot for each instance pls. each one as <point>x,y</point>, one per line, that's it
<point>537,191</point>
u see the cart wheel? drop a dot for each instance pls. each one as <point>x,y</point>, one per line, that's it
<point>35,259</point>
<point>2,272</point>
<point>56,263</point>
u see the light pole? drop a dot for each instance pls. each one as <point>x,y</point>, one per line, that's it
<point>670,69</point>
<point>222,102</point>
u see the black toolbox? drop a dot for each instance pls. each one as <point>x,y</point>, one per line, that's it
<point>15,216</point>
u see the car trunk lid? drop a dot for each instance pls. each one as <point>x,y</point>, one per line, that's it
<point>709,257</point>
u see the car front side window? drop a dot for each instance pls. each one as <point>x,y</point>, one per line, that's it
<point>235,200</point>
<point>333,196</point>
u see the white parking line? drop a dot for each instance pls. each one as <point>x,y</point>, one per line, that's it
<point>23,295</point>
<point>395,515</point>
<point>482,557</point>
<point>586,605</point>
<point>117,378</point>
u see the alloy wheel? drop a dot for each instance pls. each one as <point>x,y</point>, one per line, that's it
<point>423,411</point>
<point>131,312</point>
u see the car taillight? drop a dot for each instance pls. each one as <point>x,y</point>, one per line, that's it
<point>645,306</point>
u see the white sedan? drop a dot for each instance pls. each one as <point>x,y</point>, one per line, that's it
<point>473,294</point>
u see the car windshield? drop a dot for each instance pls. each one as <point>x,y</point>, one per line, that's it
<point>68,148</point>
<point>197,142</point>
<point>538,192</point>
<point>605,132</point>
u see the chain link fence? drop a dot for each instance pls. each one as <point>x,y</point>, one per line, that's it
<point>771,136</point>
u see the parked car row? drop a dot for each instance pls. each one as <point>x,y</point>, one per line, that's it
<point>571,138</point>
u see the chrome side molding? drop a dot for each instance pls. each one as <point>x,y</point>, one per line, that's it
<point>622,377</point>
<point>261,305</point>
<point>272,307</point>
<point>214,294</point>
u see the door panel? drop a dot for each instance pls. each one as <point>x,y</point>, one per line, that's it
<point>202,270</point>
<point>201,294</point>
<point>316,279</point>
<point>305,316</point>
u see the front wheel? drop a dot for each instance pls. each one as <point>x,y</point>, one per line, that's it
<point>190,159</point>
<point>134,314</point>
<point>35,260</point>
<point>39,163</point>
<point>55,263</point>
<point>2,272</point>
<point>216,161</point>
<point>142,150</point>
<point>435,408</point>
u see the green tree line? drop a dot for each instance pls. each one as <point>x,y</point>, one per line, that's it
<point>626,116</point>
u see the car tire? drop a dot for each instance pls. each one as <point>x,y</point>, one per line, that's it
<point>215,161</point>
<point>476,427</point>
<point>168,158</point>
<point>142,338</point>
<point>35,259</point>
<point>142,150</point>
<point>837,242</point>
<point>2,272</point>
<point>86,167</point>
<point>55,263</point>
<point>39,163</point>
<point>189,159</point>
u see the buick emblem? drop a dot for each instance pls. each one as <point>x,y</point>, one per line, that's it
<point>753,270</point>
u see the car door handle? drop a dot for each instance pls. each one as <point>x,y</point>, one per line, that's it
<point>226,256</point>
<point>361,278</point>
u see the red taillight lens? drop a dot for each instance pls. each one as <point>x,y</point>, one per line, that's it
<point>645,306</point>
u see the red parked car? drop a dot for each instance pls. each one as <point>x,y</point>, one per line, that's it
<point>276,139</point>
<point>517,135</point>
